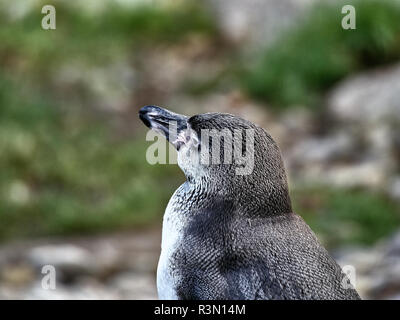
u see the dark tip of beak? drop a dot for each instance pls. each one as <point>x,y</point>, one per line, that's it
<point>143,115</point>
<point>161,119</point>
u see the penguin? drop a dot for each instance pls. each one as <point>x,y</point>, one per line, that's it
<point>233,235</point>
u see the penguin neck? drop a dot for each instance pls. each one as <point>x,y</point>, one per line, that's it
<point>268,199</point>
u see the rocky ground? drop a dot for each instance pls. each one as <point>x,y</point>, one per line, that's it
<point>124,266</point>
<point>377,269</point>
<point>119,266</point>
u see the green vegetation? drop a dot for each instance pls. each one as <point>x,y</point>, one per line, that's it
<point>95,38</point>
<point>64,168</point>
<point>314,55</point>
<point>347,216</point>
<point>64,173</point>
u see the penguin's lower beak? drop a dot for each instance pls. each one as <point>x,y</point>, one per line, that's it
<point>168,123</point>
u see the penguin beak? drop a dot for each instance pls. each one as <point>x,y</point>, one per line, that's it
<point>168,123</point>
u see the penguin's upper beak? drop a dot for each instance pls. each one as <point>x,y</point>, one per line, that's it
<point>168,123</point>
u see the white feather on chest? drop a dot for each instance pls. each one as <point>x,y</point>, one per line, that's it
<point>172,234</point>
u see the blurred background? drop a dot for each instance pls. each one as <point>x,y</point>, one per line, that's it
<point>76,191</point>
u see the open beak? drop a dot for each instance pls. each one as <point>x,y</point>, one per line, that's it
<point>166,122</point>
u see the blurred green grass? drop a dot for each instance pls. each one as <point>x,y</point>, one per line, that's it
<point>63,173</point>
<point>313,55</point>
<point>65,170</point>
<point>94,38</point>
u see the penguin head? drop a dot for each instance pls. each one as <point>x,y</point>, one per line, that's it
<point>177,130</point>
<point>222,150</point>
<point>207,144</point>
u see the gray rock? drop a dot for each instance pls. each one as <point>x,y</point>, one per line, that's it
<point>84,290</point>
<point>363,149</point>
<point>394,189</point>
<point>377,268</point>
<point>393,246</point>
<point>256,21</point>
<point>68,260</point>
<point>369,97</point>
<point>133,285</point>
<point>323,149</point>
<point>338,160</point>
<point>369,174</point>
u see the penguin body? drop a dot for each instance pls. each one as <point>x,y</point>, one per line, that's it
<point>230,236</point>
